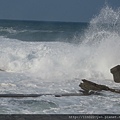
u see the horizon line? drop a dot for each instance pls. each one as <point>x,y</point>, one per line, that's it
<point>44,21</point>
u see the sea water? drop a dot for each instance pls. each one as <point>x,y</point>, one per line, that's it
<point>53,57</point>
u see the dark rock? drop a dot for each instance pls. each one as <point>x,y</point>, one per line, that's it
<point>116,73</point>
<point>88,85</point>
<point>2,70</point>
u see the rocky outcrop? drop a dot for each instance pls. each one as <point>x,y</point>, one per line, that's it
<point>88,86</point>
<point>116,73</point>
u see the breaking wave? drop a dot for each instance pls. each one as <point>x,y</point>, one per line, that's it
<point>93,58</point>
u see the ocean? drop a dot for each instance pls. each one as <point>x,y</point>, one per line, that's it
<point>40,57</point>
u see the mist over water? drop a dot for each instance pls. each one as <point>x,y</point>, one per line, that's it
<point>91,58</point>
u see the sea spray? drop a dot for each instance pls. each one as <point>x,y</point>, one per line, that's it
<point>93,58</point>
<point>102,40</point>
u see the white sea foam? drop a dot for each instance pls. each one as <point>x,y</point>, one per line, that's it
<point>49,60</point>
<point>7,29</point>
<point>44,59</point>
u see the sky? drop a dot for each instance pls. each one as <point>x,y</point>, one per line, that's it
<point>53,10</point>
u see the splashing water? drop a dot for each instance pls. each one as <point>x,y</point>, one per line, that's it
<point>102,39</point>
<point>94,57</point>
